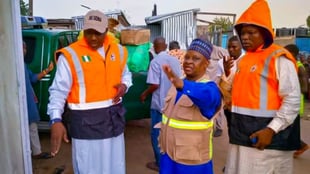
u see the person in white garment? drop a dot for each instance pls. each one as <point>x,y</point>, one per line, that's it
<point>92,77</point>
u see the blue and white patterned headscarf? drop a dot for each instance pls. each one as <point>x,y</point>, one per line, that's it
<point>201,46</point>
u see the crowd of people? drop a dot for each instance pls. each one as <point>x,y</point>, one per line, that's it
<point>256,85</point>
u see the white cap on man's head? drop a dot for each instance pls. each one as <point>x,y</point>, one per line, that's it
<point>96,20</point>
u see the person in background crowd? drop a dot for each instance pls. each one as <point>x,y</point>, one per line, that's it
<point>302,58</point>
<point>113,33</point>
<point>152,53</point>
<point>235,53</point>
<point>304,62</point>
<point>92,77</point>
<point>33,112</point>
<point>174,50</point>
<point>307,67</point>
<point>158,87</point>
<point>218,53</point>
<point>303,81</point>
<point>264,127</point>
<point>190,106</point>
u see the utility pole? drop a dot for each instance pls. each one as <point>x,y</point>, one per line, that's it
<point>30,7</point>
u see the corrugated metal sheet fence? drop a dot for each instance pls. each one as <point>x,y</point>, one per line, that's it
<point>179,26</point>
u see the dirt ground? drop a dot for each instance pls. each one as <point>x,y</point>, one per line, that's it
<point>139,151</point>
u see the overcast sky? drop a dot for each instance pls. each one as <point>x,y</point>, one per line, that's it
<point>285,13</point>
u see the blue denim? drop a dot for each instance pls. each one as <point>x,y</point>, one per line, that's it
<point>156,117</point>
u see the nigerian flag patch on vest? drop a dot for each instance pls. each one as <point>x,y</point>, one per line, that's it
<point>86,58</point>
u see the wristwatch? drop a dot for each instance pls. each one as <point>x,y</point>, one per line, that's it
<point>55,120</point>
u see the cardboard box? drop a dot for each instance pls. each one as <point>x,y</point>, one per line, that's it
<point>135,36</point>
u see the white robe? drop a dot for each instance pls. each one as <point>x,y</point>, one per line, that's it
<point>245,160</point>
<point>106,156</point>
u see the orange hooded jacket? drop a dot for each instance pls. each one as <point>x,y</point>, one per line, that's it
<point>255,86</point>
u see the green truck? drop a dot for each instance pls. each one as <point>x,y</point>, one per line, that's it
<point>41,46</point>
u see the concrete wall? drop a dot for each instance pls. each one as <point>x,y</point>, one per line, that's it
<point>283,41</point>
<point>14,137</point>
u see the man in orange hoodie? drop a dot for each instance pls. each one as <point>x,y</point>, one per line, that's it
<point>264,127</point>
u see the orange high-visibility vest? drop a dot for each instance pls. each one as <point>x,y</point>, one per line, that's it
<point>255,85</point>
<point>94,77</point>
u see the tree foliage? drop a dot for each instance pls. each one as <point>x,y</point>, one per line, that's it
<point>221,24</point>
<point>308,21</point>
<point>24,8</point>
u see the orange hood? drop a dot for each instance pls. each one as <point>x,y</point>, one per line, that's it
<point>257,14</point>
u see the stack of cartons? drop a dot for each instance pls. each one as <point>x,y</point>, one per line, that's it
<point>135,36</point>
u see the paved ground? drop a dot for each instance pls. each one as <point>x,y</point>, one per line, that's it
<point>138,151</point>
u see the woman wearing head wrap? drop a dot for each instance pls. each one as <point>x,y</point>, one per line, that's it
<point>264,129</point>
<point>190,105</point>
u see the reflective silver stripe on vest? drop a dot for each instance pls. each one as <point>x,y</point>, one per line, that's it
<point>262,111</point>
<point>80,74</point>
<point>257,112</point>
<point>91,105</point>
<point>121,52</point>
